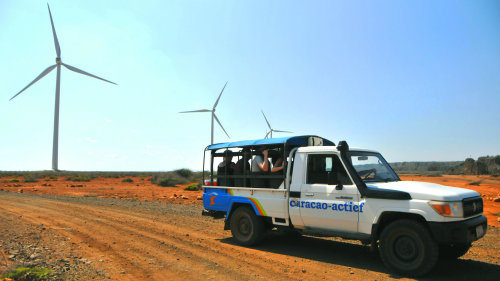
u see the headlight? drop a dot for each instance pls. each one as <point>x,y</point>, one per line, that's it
<point>448,209</point>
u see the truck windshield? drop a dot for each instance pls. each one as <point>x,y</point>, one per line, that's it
<point>372,167</point>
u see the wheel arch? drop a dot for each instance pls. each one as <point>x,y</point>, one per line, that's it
<point>388,217</point>
<point>235,204</point>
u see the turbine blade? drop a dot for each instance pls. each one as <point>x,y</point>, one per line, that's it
<point>201,110</point>
<point>282,131</point>
<point>217,101</point>
<point>217,119</point>
<point>269,125</point>
<point>56,42</point>
<point>267,134</point>
<point>72,68</point>
<point>45,72</point>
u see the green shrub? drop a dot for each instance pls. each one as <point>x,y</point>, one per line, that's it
<point>31,274</point>
<point>14,180</point>
<point>185,173</point>
<point>51,178</point>
<point>476,182</point>
<point>128,180</point>
<point>30,180</point>
<point>79,178</point>
<point>169,182</point>
<point>193,187</point>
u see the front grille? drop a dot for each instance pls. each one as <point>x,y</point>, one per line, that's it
<point>472,206</point>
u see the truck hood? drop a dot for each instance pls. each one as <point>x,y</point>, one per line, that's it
<point>426,191</point>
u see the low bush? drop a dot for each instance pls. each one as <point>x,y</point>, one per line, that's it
<point>193,187</point>
<point>51,178</point>
<point>185,173</point>
<point>30,180</point>
<point>128,180</point>
<point>476,182</point>
<point>79,178</point>
<point>27,273</point>
<point>169,182</point>
<point>14,180</point>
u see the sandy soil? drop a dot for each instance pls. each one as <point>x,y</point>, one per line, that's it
<point>84,237</point>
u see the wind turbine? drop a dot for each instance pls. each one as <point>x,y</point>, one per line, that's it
<point>58,83</point>
<point>271,130</point>
<point>213,115</point>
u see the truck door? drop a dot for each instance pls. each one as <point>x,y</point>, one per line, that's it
<point>328,198</point>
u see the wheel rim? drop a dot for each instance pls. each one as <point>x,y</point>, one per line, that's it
<point>244,226</point>
<point>405,248</point>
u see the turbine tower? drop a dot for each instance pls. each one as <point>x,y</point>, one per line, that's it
<point>58,64</point>
<point>213,115</point>
<point>271,130</point>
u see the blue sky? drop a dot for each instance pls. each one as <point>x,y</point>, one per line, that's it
<point>416,80</point>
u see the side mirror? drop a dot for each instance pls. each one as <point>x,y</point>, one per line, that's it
<point>339,187</point>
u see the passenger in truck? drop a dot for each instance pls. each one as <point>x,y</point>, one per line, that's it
<point>241,168</point>
<point>277,170</point>
<point>225,169</point>
<point>260,166</point>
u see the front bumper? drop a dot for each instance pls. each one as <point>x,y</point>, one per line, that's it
<point>459,232</point>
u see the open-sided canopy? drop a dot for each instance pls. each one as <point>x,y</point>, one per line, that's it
<point>288,141</point>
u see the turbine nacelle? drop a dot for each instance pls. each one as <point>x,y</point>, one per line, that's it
<point>58,61</point>
<point>214,117</point>
<point>271,130</point>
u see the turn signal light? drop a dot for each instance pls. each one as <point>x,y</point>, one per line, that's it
<point>442,209</point>
<point>447,209</point>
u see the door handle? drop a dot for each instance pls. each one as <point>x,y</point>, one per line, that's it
<point>344,197</point>
<point>309,194</point>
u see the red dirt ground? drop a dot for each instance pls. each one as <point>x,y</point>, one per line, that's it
<point>130,242</point>
<point>142,189</point>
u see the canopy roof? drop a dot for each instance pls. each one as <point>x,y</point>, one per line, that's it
<point>289,141</point>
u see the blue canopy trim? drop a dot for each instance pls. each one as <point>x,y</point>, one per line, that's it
<point>290,141</point>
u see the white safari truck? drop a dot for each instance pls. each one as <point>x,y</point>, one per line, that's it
<point>335,190</point>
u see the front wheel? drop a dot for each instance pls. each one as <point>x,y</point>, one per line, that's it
<point>247,228</point>
<point>407,247</point>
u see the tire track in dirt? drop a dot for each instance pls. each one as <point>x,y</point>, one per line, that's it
<point>151,241</point>
<point>78,236</point>
<point>139,249</point>
<point>206,256</point>
<point>207,244</point>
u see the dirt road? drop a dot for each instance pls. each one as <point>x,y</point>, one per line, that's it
<point>86,238</point>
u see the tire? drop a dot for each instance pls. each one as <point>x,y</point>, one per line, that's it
<point>407,247</point>
<point>247,228</point>
<point>453,251</point>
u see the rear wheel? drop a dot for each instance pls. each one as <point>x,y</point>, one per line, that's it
<point>453,251</point>
<point>407,247</point>
<point>247,228</point>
